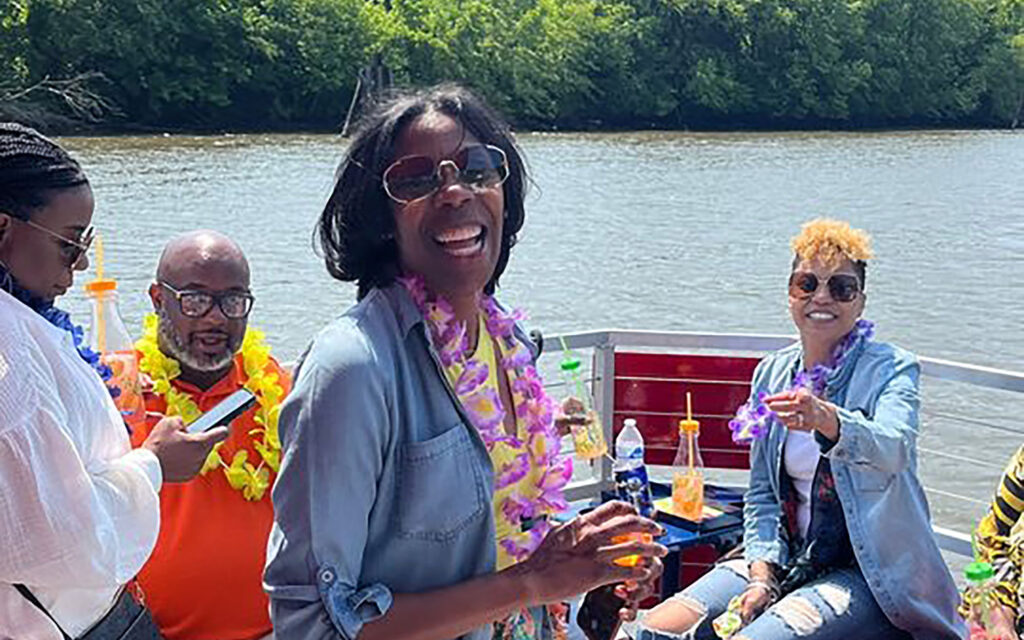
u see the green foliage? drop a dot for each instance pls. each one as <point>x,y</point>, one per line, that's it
<point>13,43</point>
<point>566,63</point>
<point>303,56</point>
<point>925,57</point>
<point>243,62</point>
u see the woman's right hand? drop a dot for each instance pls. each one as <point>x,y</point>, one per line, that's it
<point>579,555</point>
<point>181,454</point>
<point>758,595</point>
<point>753,603</point>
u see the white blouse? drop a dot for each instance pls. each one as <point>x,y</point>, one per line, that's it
<point>79,509</point>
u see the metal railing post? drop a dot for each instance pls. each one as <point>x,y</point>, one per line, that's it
<point>605,342</point>
<point>604,398</point>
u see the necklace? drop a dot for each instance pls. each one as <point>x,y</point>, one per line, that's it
<point>754,419</point>
<point>261,379</point>
<point>537,446</point>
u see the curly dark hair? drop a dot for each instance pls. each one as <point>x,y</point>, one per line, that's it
<point>32,169</point>
<point>356,229</point>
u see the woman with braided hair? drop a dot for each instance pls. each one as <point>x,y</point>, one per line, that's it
<point>79,510</point>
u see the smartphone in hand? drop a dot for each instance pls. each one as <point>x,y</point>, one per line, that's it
<point>226,410</point>
<point>599,614</point>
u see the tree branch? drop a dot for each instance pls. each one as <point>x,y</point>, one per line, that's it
<point>75,94</point>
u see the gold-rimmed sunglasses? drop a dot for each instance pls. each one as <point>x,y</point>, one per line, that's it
<point>477,166</point>
<point>843,287</point>
<point>71,251</point>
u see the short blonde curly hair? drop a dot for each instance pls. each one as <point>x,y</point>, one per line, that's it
<point>830,241</point>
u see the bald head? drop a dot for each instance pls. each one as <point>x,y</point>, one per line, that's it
<point>193,254</point>
<point>202,298</point>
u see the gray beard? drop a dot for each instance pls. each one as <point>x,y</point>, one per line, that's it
<point>172,345</point>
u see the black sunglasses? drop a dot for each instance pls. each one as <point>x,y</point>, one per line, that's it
<point>843,287</point>
<point>235,305</point>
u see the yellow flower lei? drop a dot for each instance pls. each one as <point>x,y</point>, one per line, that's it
<point>242,475</point>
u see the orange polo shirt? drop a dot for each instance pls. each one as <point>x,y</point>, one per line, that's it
<point>204,579</point>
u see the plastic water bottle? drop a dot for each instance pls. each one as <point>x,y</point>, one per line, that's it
<point>980,598</point>
<point>631,481</point>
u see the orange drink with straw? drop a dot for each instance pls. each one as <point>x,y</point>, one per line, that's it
<point>109,338</point>
<point>688,482</point>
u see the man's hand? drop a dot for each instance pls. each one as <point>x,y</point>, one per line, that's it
<point>181,454</point>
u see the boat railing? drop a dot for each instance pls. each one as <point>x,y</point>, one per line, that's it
<point>604,343</point>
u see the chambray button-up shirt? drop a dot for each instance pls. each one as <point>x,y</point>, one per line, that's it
<point>385,486</point>
<point>874,463</point>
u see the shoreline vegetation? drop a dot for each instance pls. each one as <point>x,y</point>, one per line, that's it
<point>69,129</point>
<point>191,66</point>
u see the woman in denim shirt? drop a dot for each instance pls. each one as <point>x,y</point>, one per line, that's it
<point>386,518</point>
<point>837,540</point>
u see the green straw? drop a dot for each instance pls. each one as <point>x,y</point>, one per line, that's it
<point>580,389</point>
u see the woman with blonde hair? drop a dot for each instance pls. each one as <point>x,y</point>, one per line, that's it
<point>837,537</point>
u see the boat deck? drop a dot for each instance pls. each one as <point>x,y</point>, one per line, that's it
<point>645,375</point>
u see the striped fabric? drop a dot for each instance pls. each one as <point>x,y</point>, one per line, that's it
<point>1000,535</point>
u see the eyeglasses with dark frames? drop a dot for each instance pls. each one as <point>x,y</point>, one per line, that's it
<point>235,305</point>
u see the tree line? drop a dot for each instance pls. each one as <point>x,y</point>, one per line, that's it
<point>272,64</point>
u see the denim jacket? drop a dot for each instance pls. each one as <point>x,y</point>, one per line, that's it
<point>385,486</point>
<point>874,463</point>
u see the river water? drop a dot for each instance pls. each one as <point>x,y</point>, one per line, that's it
<point>661,231</point>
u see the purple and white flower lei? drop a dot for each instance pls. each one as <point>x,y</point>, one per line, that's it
<point>534,407</point>
<point>753,420</point>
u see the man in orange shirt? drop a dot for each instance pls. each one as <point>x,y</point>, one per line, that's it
<point>204,579</point>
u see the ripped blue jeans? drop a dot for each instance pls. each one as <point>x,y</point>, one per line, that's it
<point>837,606</point>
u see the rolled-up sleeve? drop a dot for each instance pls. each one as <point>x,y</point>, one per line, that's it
<point>886,441</point>
<point>334,431</point>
